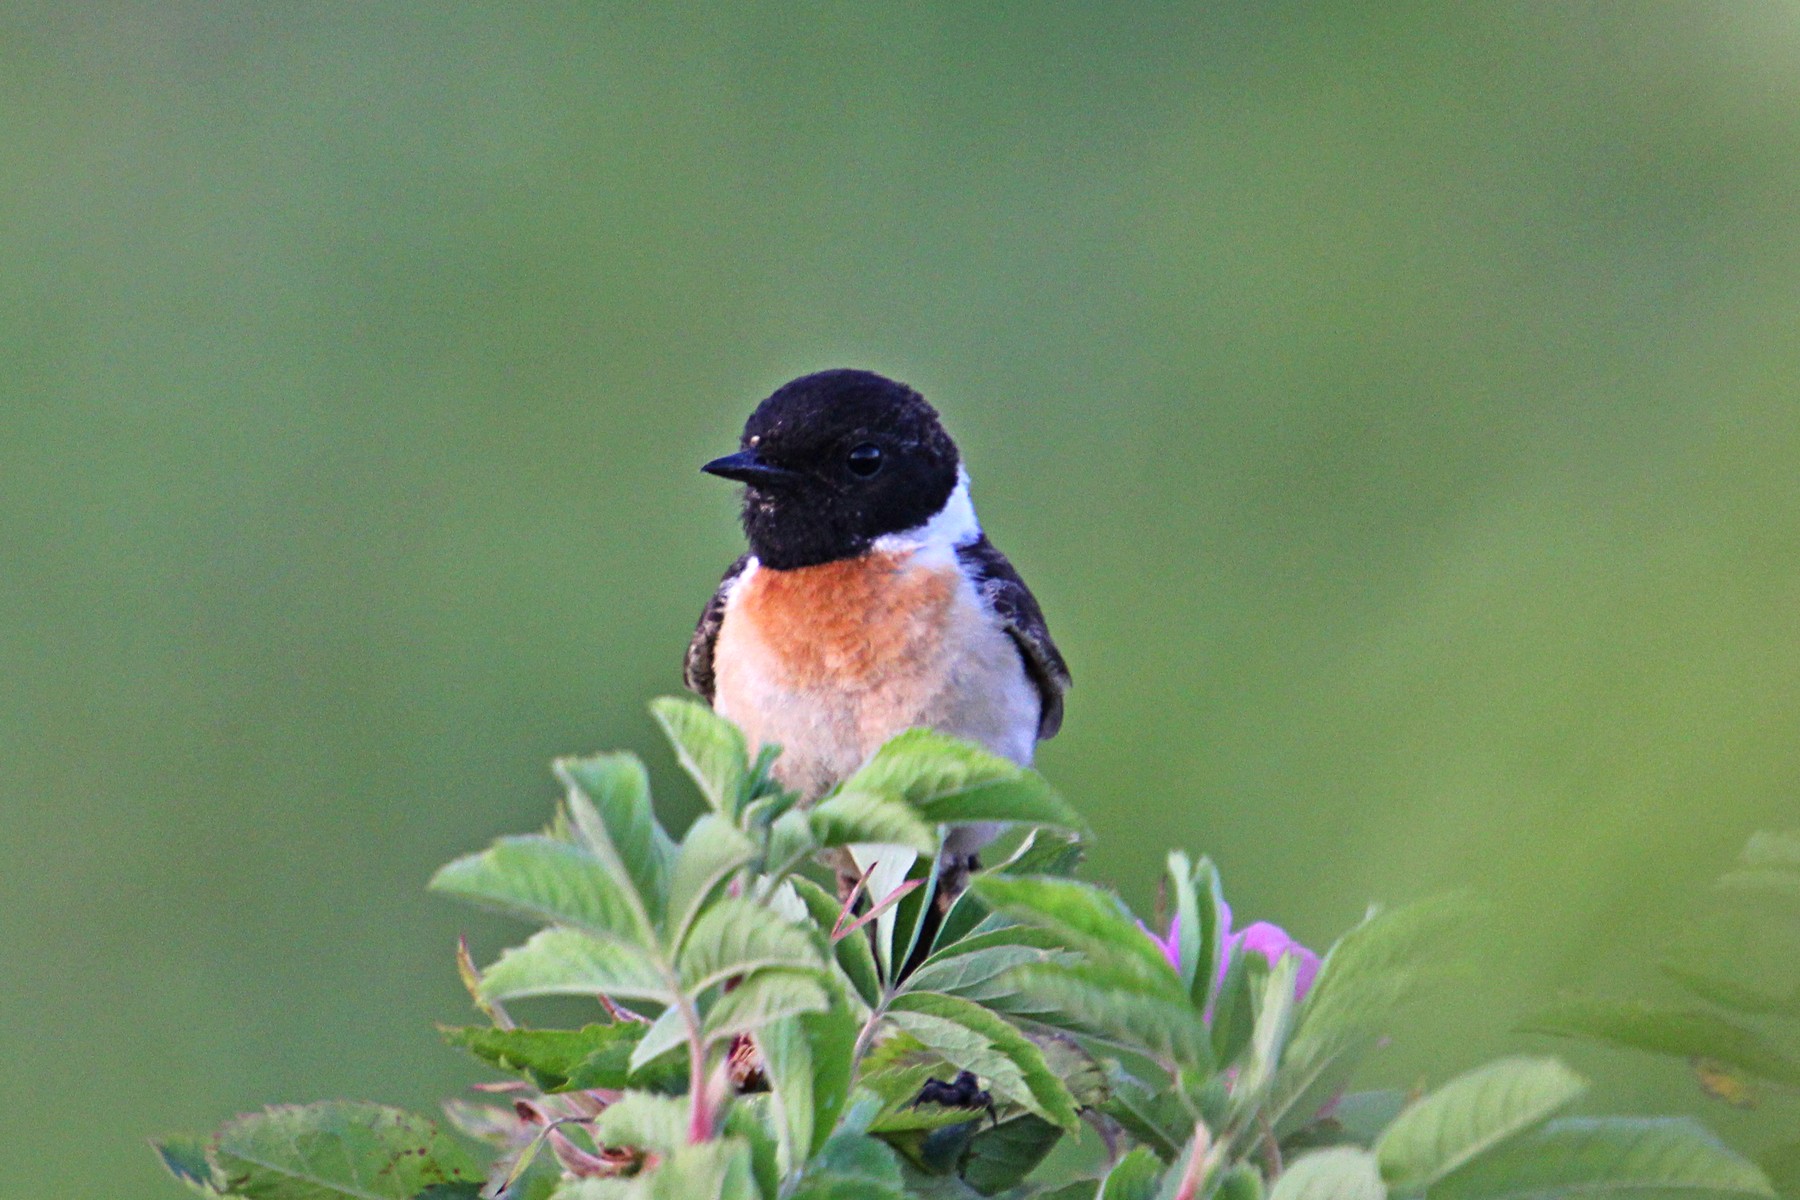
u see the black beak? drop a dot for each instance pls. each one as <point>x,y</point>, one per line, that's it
<point>745,467</point>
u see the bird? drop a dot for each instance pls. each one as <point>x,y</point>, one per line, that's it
<point>869,601</point>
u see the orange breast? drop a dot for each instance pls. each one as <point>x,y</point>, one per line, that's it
<point>850,624</point>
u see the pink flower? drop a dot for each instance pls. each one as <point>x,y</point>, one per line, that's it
<point>1269,940</point>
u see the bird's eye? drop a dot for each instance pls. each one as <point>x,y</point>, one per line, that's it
<point>865,459</point>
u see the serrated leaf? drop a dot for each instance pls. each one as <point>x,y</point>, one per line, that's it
<point>1622,1158</point>
<point>1086,918</point>
<point>1341,1173</point>
<point>337,1151</point>
<point>710,749</point>
<point>549,880</point>
<point>710,853</point>
<point>1110,1005</point>
<point>1662,1029</point>
<point>980,975</point>
<point>556,1060</point>
<point>848,817</point>
<point>736,937</point>
<point>971,1038</point>
<point>567,962</point>
<point>1134,1177</point>
<point>184,1156</point>
<point>764,997</point>
<point>1002,1155</point>
<point>949,781</point>
<point>1471,1115</point>
<point>609,804</point>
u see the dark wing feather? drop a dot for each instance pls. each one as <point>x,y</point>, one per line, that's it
<point>1018,610</point>
<point>697,672</point>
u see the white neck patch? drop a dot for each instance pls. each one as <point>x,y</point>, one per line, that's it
<point>954,525</point>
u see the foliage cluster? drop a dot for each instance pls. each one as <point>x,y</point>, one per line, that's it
<point>1738,1033</point>
<point>757,1037</point>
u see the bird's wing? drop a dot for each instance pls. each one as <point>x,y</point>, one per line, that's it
<point>1018,610</point>
<point>697,672</point>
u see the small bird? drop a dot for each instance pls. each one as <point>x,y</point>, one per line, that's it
<point>870,601</point>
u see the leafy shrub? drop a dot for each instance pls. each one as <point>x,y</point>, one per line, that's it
<point>757,1038</point>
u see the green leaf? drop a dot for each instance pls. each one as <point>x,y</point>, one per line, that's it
<point>888,868</point>
<point>851,1154</point>
<point>1661,1029</point>
<point>337,1151</point>
<point>848,817</point>
<point>1000,1156</point>
<point>971,1038</point>
<point>807,1059</point>
<point>1368,973</point>
<point>1613,1157</point>
<point>549,880</point>
<point>852,1166</point>
<point>752,1118</point>
<point>982,974</point>
<point>1155,1117</point>
<point>855,957</point>
<point>1341,1173</point>
<point>1234,1007</point>
<point>766,996</point>
<point>1242,1182</point>
<point>658,1124</point>
<point>556,1060</point>
<point>711,852</point>
<point>567,962</point>
<point>665,1033</point>
<point>709,748</point>
<point>1046,852</point>
<point>1086,918</point>
<point>1197,911</point>
<point>185,1157</point>
<point>1729,993</point>
<point>949,781</point>
<point>1274,1018</point>
<point>1111,1005</point>
<point>736,937</point>
<point>1134,1177</point>
<point>609,803</point>
<point>718,1170</point>
<point>1471,1115</point>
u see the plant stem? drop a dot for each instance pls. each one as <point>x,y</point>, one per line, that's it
<point>700,1114</point>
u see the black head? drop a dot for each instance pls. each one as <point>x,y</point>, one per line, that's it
<point>833,461</point>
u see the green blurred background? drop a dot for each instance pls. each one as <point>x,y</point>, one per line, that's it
<point>1394,408</point>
